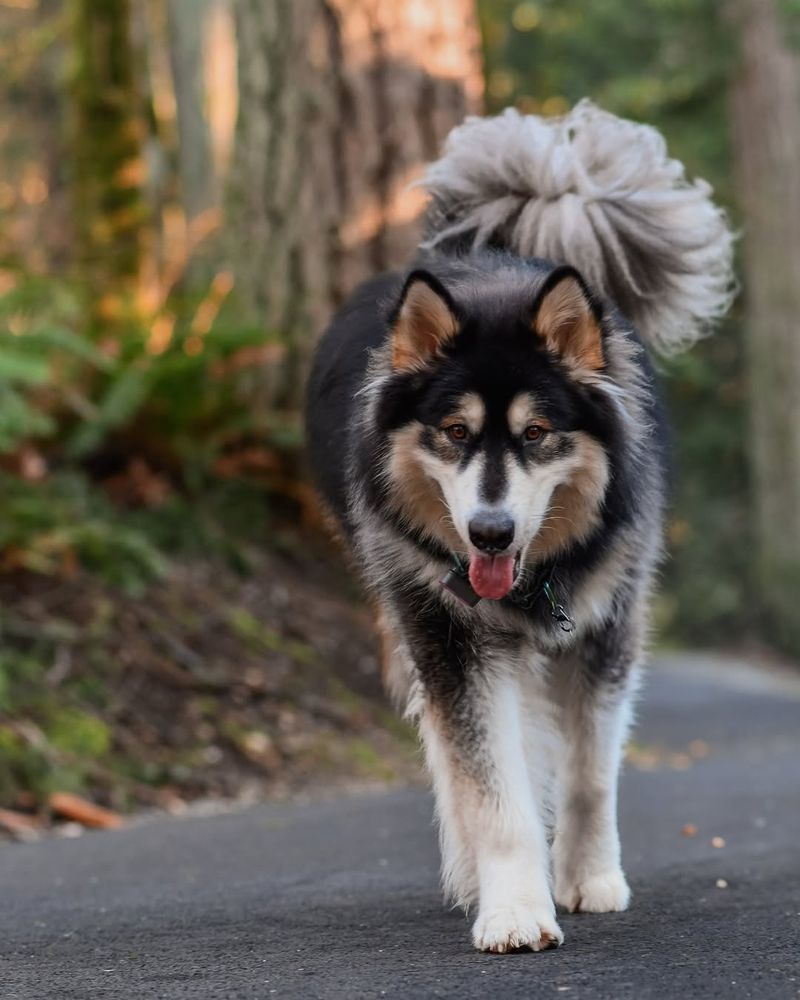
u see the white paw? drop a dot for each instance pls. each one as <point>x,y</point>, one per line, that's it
<point>509,928</point>
<point>604,892</point>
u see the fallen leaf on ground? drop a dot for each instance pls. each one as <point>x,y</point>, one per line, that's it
<point>717,841</point>
<point>80,811</point>
<point>689,830</point>
<point>699,749</point>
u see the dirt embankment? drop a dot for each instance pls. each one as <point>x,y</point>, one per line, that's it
<point>209,683</point>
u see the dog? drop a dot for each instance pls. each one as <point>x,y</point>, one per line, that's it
<point>486,431</point>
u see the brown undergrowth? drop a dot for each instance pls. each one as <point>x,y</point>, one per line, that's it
<point>207,683</point>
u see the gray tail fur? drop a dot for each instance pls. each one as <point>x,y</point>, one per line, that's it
<point>600,193</point>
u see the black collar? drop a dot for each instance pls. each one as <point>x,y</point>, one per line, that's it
<point>456,582</point>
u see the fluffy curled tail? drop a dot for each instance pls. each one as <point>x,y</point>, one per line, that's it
<point>600,193</point>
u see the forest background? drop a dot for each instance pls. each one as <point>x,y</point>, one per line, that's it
<point>188,188</point>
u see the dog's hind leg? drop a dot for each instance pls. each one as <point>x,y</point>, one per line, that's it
<point>492,831</point>
<point>595,715</point>
<point>397,668</point>
<point>459,871</point>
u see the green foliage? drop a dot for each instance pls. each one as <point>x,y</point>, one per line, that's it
<point>52,737</point>
<point>57,744</point>
<point>76,732</point>
<point>184,407</point>
<point>268,640</point>
<point>185,401</point>
<point>40,360</point>
<point>68,402</point>
<point>46,527</point>
<point>21,766</point>
<point>665,62</point>
<point>706,578</point>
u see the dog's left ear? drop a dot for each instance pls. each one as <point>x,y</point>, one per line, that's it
<point>568,320</point>
<point>423,323</point>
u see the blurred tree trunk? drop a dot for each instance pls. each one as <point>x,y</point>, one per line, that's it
<point>766,122</point>
<point>340,104</point>
<point>108,168</point>
<point>187,20</point>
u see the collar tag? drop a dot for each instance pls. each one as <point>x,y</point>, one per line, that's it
<point>455,583</point>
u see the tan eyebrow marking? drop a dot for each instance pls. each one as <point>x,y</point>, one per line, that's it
<point>470,411</point>
<point>522,412</point>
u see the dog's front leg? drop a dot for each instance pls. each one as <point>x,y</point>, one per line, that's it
<point>595,712</point>
<point>492,831</point>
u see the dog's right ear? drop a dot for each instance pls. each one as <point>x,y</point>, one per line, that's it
<point>423,323</point>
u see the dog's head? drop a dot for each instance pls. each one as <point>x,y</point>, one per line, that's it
<point>499,425</point>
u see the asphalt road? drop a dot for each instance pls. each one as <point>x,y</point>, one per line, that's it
<point>339,898</point>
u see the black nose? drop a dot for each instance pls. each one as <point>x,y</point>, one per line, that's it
<point>491,531</point>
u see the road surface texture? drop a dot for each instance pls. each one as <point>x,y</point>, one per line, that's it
<point>339,898</point>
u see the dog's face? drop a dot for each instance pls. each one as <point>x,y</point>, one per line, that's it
<point>496,423</point>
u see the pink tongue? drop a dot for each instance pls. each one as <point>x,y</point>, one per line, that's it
<point>491,576</point>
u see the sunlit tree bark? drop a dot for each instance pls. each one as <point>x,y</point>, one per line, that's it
<point>341,102</point>
<point>187,19</point>
<point>766,120</point>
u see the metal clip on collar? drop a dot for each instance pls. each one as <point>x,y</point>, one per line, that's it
<point>557,611</point>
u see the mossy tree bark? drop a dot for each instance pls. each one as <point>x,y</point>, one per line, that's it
<point>108,167</point>
<point>766,121</point>
<point>341,102</point>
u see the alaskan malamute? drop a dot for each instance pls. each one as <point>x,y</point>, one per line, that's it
<point>486,431</point>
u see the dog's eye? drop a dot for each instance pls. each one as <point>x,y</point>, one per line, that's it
<point>457,432</point>
<point>534,432</point>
